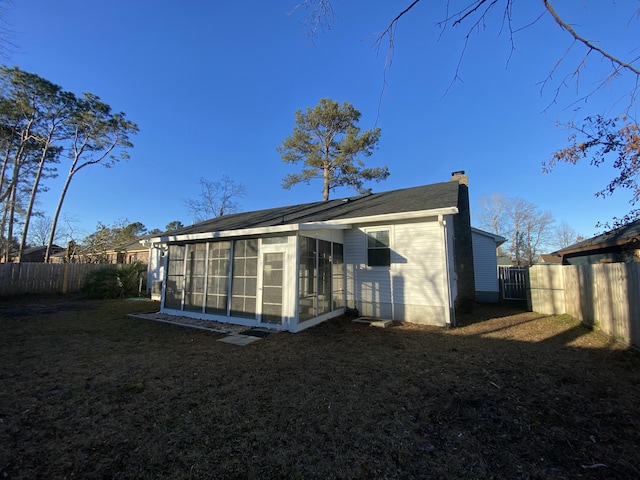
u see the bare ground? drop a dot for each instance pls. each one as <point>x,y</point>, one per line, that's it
<point>87,392</point>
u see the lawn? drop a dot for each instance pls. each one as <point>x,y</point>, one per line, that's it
<point>87,392</point>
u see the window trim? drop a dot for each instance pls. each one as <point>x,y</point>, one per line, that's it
<point>378,228</point>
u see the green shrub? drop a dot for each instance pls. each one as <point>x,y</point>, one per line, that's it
<point>115,281</point>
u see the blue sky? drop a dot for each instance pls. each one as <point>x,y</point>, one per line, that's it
<point>214,86</point>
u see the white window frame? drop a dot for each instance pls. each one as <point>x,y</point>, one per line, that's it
<point>378,228</point>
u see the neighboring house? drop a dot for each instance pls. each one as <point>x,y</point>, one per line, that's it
<point>403,255</point>
<point>619,245</point>
<point>35,254</point>
<point>550,258</point>
<point>131,252</point>
<point>485,265</point>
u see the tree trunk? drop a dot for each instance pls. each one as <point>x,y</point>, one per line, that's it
<point>10,217</point>
<point>32,198</point>
<point>325,190</point>
<point>56,216</point>
<point>3,229</point>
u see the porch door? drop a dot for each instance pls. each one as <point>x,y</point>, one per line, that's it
<point>272,287</point>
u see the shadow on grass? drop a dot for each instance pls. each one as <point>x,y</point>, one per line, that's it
<point>105,396</point>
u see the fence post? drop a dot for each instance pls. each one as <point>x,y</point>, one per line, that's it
<point>65,278</point>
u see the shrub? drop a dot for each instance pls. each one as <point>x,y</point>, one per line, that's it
<point>115,281</point>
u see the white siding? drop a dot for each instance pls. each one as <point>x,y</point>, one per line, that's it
<point>414,288</point>
<point>419,251</point>
<point>485,263</point>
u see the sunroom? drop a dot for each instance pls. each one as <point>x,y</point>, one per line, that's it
<point>287,278</point>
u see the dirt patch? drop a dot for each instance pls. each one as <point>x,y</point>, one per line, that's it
<point>96,394</point>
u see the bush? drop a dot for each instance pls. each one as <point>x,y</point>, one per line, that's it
<point>115,281</point>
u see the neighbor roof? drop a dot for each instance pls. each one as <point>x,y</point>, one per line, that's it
<point>416,199</point>
<point>619,236</point>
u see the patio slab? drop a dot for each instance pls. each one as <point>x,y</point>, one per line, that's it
<point>240,340</point>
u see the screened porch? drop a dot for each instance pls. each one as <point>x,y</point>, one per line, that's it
<point>282,282</point>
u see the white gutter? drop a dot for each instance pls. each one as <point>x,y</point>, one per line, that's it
<point>386,217</point>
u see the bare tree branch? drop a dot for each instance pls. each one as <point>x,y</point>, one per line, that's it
<point>321,15</point>
<point>475,14</point>
<point>590,45</point>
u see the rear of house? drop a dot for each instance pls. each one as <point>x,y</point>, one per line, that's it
<point>391,255</point>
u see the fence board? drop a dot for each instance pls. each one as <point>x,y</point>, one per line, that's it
<point>43,278</point>
<point>606,296</point>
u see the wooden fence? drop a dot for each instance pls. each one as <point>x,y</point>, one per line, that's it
<point>513,282</point>
<point>43,278</point>
<point>604,296</point>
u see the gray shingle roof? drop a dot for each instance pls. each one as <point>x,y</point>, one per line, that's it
<point>426,197</point>
<point>617,236</point>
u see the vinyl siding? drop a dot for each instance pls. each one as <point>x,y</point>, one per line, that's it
<point>413,288</point>
<point>485,263</point>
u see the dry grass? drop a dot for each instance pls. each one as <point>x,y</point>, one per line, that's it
<point>89,393</point>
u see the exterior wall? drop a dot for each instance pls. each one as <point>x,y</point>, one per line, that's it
<point>413,288</point>
<point>485,268</point>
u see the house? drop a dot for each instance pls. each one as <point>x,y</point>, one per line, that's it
<point>403,255</point>
<point>619,245</point>
<point>35,254</point>
<point>130,252</point>
<point>485,265</point>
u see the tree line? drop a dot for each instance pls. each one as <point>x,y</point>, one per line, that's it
<point>528,230</point>
<point>45,129</point>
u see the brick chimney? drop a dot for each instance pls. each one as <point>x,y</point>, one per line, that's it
<point>463,245</point>
<point>460,177</point>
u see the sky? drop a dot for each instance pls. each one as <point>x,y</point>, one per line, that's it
<point>214,85</point>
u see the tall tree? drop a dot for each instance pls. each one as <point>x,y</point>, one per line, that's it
<point>328,141</point>
<point>113,237</point>
<point>173,225</point>
<point>492,215</point>
<point>100,137</point>
<point>54,109</point>
<point>531,229</point>
<point>565,235</point>
<point>216,198</point>
<point>20,95</point>
<point>527,229</point>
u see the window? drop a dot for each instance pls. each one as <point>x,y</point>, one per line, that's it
<point>378,248</point>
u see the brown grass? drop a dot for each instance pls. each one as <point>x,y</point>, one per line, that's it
<point>90,393</point>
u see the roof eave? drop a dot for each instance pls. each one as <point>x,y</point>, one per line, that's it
<point>389,217</point>
<point>338,224</point>
<point>596,246</point>
<point>243,232</point>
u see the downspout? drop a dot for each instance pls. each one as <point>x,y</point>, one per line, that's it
<point>450,317</point>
